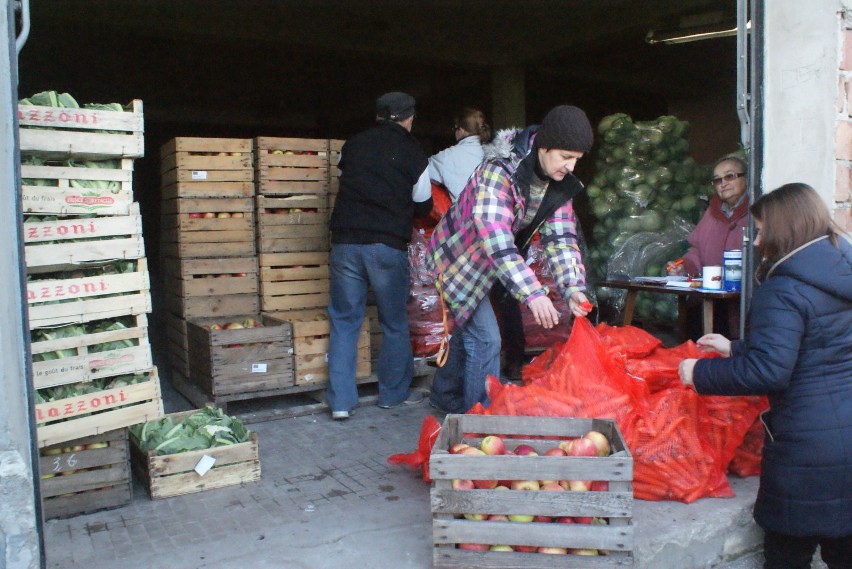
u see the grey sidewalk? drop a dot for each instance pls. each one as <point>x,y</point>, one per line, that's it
<point>328,500</point>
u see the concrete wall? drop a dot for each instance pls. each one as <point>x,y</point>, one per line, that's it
<point>18,534</point>
<point>808,129</point>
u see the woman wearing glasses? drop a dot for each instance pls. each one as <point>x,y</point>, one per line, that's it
<point>720,229</point>
<point>453,166</point>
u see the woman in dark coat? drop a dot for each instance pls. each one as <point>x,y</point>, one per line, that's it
<point>798,352</point>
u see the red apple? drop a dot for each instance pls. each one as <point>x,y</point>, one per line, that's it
<point>579,485</point>
<point>601,442</point>
<point>583,447</point>
<point>498,518</point>
<point>564,520</point>
<point>552,486</point>
<point>485,484</point>
<point>525,450</point>
<point>492,444</point>
<point>472,450</point>
<point>555,451</point>
<point>583,551</point>
<point>582,520</point>
<point>599,486</point>
<point>542,519</point>
<point>525,485</point>
<point>552,550</point>
<point>566,445</point>
<point>475,546</point>
<point>196,215</point>
<point>458,447</point>
<point>462,484</point>
<point>525,548</point>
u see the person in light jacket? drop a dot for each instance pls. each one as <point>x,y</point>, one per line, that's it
<point>798,352</point>
<point>453,166</point>
<point>525,184</point>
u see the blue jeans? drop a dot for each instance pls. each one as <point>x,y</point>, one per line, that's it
<point>355,268</point>
<point>474,353</point>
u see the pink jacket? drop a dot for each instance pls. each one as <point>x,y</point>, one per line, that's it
<point>714,234</point>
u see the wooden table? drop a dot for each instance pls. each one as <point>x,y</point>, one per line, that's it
<point>707,296</point>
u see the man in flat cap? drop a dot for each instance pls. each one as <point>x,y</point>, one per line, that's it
<point>384,184</point>
<point>525,185</point>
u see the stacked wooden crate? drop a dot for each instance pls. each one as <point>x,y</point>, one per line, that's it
<point>88,288</point>
<point>209,261</point>
<point>334,149</point>
<point>293,180</point>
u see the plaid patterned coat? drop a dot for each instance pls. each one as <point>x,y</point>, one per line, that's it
<point>474,243</point>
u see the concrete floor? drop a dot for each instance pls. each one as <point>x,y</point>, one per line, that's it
<point>328,499</point>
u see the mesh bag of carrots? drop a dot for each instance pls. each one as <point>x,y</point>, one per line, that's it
<point>682,443</point>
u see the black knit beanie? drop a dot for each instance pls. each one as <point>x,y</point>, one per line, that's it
<point>567,128</point>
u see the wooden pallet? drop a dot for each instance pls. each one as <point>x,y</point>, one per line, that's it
<point>60,133</point>
<point>174,474</point>
<point>58,193</point>
<point>86,475</point>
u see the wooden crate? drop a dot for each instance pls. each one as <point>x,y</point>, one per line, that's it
<point>86,475</point>
<point>76,417</point>
<point>310,346</point>
<point>85,364</point>
<point>212,306</point>
<point>375,332</point>
<point>206,188</point>
<point>293,281</point>
<point>86,299</point>
<point>61,197</point>
<point>205,154</point>
<point>614,505</point>
<point>70,242</point>
<point>293,238</point>
<point>290,166</point>
<point>210,277</point>
<point>59,133</point>
<point>334,147</point>
<point>174,474</point>
<point>237,364</point>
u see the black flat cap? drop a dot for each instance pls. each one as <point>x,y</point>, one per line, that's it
<point>395,106</point>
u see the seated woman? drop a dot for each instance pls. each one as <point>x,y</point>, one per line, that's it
<point>720,229</point>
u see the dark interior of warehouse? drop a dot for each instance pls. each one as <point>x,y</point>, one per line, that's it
<point>313,68</point>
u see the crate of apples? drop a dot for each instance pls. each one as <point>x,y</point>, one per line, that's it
<point>526,487</point>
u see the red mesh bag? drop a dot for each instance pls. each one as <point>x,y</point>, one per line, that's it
<point>659,368</point>
<point>670,459</point>
<point>425,312</point>
<point>419,459</point>
<point>629,341</point>
<point>747,457</point>
<point>534,335</point>
<point>726,422</point>
<point>441,202</point>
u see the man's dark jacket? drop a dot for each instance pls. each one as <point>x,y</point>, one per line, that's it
<point>379,168</point>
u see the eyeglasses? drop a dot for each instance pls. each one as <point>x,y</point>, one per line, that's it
<point>730,177</point>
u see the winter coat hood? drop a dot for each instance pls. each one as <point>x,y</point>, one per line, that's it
<point>835,274</point>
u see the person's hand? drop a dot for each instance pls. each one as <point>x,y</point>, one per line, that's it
<point>714,343</point>
<point>544,312</point>
<point>684,371</point>
<point>675,268</point>
<point>579,304</point>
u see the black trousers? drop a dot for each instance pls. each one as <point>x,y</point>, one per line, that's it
<point>791,552</point>
<point>512,325</point>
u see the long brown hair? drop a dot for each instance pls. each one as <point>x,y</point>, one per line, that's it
<point>792,215</point>
<point>473,121</point>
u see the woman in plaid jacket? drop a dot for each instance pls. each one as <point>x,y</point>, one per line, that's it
<point>525,185</point>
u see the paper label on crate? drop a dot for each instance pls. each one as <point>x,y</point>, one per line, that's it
<point>205,464</point>
<point>199,174</point>
<point>258,368</point>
